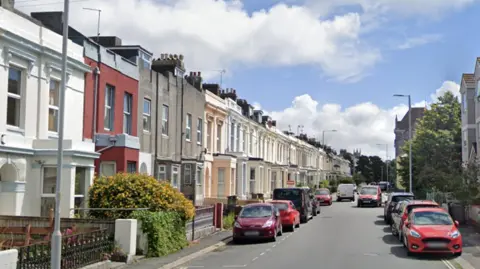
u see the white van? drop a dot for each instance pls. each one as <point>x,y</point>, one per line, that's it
<point>346,191</point>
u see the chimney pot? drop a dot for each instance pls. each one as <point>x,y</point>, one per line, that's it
<point>234,91</point>
<point>199,74</point>
<point>191,74</point>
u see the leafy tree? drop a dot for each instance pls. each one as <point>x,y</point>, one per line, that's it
<point>378,168</point>
<point>436,148</point>
<point>359,178</point>
<point>364,168</point>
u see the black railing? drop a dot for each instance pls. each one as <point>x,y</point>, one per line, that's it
<point>78,250</point>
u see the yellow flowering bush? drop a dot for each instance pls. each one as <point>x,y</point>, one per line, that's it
<point>136,191</point>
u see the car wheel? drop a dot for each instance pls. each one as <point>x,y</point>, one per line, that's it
<point>280,231</point>
<point>297,225</point>
<point>457,254</point>
<point>314,213</point>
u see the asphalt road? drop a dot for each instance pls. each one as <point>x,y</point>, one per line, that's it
<point>342,236</point>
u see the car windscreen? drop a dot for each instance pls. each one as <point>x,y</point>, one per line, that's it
<point>398,198</point>
<point>432,218</point>
<point>368,191</point>
<point>294,195</point>
<point>322,192</point>
<point>280,206</point>
<point>383,186</point>
<point>256,212</point>
<point>411,207</point>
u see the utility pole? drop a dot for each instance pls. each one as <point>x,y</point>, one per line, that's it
<point>56,246</point>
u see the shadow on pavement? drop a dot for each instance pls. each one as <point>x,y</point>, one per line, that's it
<point>391,240</point>
<point>249,242</point>
<point>401,252</point>
<point>387,229</point>
<point>380,216</point>
<point>379,223</point>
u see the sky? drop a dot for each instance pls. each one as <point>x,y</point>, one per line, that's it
<point>312,65</point>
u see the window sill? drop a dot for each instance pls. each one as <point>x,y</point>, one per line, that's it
<point>52,135</point>
<point>165,136</point>
<point>146,131</point>
<point>188,140</point>
<point>15,129</point>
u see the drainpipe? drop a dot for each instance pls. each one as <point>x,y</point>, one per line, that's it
<point>181,122</point>
<point>155,166</point>
<point>96,73</point>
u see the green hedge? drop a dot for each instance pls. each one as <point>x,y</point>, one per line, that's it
<point>165,232</point>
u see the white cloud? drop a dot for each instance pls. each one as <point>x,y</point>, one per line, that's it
<point>361,126</point>
<point>218,34</point>
<point>413,42</point>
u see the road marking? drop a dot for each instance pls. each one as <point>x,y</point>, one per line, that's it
<point>268,249</point>
<point>234,266</point>
<point>254,259</point>
<point>263,253</point>
<point>448,264</point>
<point>274,245</point>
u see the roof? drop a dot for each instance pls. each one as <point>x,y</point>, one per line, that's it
<point>279,202</point>
<point>429,209</point>
<point>258,204</point>
<point>401,194</point>
<point>469,80</point>
<point>422,202</point>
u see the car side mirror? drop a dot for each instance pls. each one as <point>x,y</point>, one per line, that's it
<point>457,223</point>
<point>235,218</point>
<point>408,225</point>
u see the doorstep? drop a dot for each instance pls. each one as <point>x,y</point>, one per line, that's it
<point>155,263</point>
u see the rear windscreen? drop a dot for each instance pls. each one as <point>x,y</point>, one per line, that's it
<point>294,195</point>
<point>383,186</point>
<point>399,198</point>
<point>280,206</point>
<point>411,207</point>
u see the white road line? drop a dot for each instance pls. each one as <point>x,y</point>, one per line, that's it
<point>268,249</point>
<point>274,245</point>
<point>448,264</point>
<point>234,266</point>
<point>254,259</point>
<point>263,253</point>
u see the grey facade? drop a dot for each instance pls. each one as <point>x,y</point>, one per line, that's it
<point>468,108</point>
<point>402,128</point>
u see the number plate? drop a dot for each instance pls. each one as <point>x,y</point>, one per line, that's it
<point>367,201</point>
<point>321,201</point>
<point>437,245</point>
<point>251,233</point>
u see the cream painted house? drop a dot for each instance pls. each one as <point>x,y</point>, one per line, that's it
<point>30,58</point>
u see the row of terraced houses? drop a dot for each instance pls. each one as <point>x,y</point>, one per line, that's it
<point>127,111</point>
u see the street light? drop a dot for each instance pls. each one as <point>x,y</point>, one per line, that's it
<point>56,245</point>
<point>386,158</point>
<point>409,136</point>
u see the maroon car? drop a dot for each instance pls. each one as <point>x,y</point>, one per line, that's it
<point>257,221</point>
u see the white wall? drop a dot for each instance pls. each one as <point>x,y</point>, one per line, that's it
<point>8,259</point>
<point>145,160</point>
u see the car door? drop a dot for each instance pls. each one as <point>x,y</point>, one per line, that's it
<point>296,213</point>
<point>396,215</point>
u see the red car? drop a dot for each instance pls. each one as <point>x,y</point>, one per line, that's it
<point>370,195</point>
<point>289,215</point>
<point>431,230</point>
<point>323,196</point>
<point>405,210</point>
<point>257,221</point>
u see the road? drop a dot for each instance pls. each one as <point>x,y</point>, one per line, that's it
<point>342,236</point>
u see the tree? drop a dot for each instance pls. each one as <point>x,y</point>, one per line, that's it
<point>436,148</point>
<point>371,168</point>
<point>378,168</point>
<point>364,168</point>
<point>349,157</point>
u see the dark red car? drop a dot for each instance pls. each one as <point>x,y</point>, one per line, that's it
<point>323,196</point>
<point>289,215</point>
<point>257,221</point>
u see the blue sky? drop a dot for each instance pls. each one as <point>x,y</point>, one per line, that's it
<point>329,64</point>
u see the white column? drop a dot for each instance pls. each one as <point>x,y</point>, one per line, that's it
<point>3,101</point>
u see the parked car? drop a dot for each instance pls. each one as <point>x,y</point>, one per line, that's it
<point>431,230</point>
<point>392,200</point>
<point>323,196</point>
<point>300,198</point>
<point>288,213</point>
<point>257,221</point>
<point>400,214</point>
<point>315,203</point>
<point>346,191</point>
<point>369,195</point>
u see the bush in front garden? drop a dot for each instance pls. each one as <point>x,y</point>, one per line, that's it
<point>136,191</point>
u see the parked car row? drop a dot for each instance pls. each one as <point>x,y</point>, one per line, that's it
<point>422,226</point>
<point>289,208</point>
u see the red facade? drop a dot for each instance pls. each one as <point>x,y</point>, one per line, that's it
<point>123,84</point>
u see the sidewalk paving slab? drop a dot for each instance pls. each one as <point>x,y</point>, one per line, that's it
<point>198,247</point>
<point>471,245</point>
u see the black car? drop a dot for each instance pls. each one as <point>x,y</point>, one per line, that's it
<point>393,199</point>
<point>300,197</point>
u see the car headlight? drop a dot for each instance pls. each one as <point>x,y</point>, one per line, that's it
<point>455,234</point>
<point>237,225</point>
<point>268,223</point>
<point>414,234</point>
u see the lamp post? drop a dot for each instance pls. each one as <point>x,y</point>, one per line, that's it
<point>409,137</point>
<point>386,159</point>
<point>323,142</point>
<point>56,256</point>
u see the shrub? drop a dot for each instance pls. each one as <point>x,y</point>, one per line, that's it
<point>324,184</point>
<point>165,232</point>
<point>136,191</point>
<point>228,221</point>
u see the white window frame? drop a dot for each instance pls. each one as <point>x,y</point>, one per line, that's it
<point>53,107</point>
<point>250,143</point>
<point>238,132</point>
<point>188,127</point>
<point>188,167</point>
<point>209,136</point>
<point>244,138</point>
<point>107,163</point>
<point>162,172</point>
<point>108,123</point>
<point>221,183</point>
<point>83,182</point>
<point>175,171</point>
<point>42,194</point>
<point>232,136</point>
<point>252,181</point>
<point>199,131</point>
<point>147,115</point>
<point>218,138</point>
<point>127,113</point>
<point>165,121</point>
<point>17,97</point>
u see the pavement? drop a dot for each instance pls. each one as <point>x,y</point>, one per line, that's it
<point>342,236</point>
<point>471,245</point>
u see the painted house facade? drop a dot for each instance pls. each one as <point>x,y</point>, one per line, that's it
<point>30,75</point>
